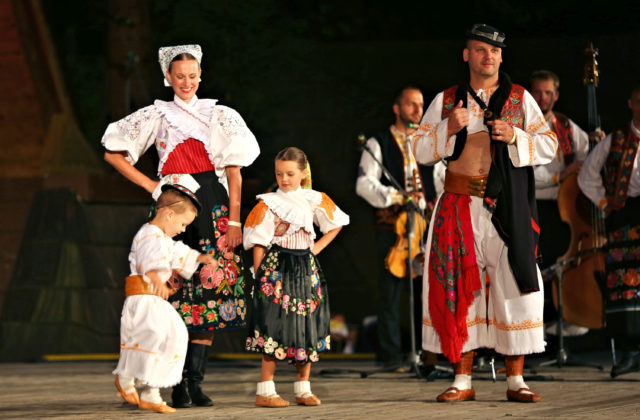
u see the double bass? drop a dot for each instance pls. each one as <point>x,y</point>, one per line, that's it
<point>581,295</point>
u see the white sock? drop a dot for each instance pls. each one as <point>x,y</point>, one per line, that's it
<point>462,381</point>
<point>125,381</point>
<point>151,395</point>
<point>266,389</point>
<point>516,382</point>
<point>301,388</point>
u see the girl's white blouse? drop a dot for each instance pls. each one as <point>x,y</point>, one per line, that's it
<point>290,217</point>
<point>224,134</point>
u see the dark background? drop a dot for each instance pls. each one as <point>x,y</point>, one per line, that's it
<point>316,74</point>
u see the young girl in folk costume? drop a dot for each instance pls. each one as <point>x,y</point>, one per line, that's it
<point>211,142</point>
<point>290,317</point>
<point>152,335</point>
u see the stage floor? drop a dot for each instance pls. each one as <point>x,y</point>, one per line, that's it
<point>85,390</point>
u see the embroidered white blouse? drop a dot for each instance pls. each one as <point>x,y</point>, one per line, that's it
<point>548,176</point>
<point>535,145</point>
<point>287,218</point>
<point>226,138</point>
<point>153,250</point>
<point>590,180</point>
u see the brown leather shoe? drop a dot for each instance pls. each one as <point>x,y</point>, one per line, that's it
<point>130,394</point>
<point>274,401</point>
<point>524,395</point>
<point>309,399</point>
<point>160,407</point>
<point>453,394</point>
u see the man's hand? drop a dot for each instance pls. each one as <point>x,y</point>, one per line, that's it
<point>597,136</point>
<point>501,130</point>
<point>572,168</point>
<point>458,119</point>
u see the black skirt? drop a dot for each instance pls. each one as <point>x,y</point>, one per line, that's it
<point>211,300</point>
<point>290,316</point>
<point>622,293</point>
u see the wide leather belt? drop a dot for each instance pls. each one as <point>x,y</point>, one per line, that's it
<point>465,184</point>
<point>135,285</point>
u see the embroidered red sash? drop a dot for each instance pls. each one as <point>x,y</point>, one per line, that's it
<point>453,273</point>
<point>619,165</point>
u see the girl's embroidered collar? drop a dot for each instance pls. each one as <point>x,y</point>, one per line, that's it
<point>294,207</point>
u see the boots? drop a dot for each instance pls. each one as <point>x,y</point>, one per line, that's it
<point>180,394</point>
<point>194,365</point>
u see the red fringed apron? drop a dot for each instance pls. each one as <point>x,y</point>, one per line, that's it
<point>453,273</point>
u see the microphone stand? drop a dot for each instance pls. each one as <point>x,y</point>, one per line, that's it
<point>411,208</point>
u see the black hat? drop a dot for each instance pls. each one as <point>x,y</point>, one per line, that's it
<point>183,183</point>
<point>488,34</point>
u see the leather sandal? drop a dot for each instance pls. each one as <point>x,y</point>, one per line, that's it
<point>453,394</point>
<point>272,401</point>
<point>130,394</point>
<point>308,399</point>
<point>160,407</point>
<point>524,395</point>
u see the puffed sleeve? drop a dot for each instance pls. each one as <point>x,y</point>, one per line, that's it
<point>589,177</point>
<point>431,143</point>
<point>536,144</point>
<point>184,259</point>
<point>232,143</point>
<point>150,252</point>
<point>328,216</point>
<point>259,228</point>
<point>133,134</point>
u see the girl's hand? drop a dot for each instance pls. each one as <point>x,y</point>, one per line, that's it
<point>207,260</point>
<point>233,237</point>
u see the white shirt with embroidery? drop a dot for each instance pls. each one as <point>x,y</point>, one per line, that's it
<point>548,176</point>
<point>590,180</point>
<point>224,134</point>
<point>287,218</point>
<point>535,145</point>
<point>153,250</point>
<point>369,185</point>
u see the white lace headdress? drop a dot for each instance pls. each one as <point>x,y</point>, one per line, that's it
<point>166,54</point>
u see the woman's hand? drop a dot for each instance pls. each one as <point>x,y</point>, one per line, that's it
<point>233,237</point>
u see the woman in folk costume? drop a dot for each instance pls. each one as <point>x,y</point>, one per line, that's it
<point>211,142</point>
<point>152,335</point>
<point>290,317</point>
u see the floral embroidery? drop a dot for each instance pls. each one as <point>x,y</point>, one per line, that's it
<point>267,345</point>
<point>130,125</point>
<point>230,122</point>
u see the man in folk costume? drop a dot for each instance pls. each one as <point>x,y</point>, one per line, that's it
<point>611,179</point>
<point>392,148</point>
<point>573,147</point>
<point>484,227</point>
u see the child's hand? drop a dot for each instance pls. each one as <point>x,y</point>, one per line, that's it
<point>207,260</point>
<point>160,288</point>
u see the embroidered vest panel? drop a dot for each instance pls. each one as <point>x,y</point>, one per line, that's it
<point>619,165</point>
<point>511,113</point>
<point>562,128</point>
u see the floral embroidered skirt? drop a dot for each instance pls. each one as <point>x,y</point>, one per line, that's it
<point>290,316</point>
<point>623,272</point>
<point>211,300</point>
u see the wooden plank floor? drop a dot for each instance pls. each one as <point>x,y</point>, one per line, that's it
<point>85,390</point>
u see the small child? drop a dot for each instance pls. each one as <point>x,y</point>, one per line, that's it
<point>290,317</point>
<point>153,336</point>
